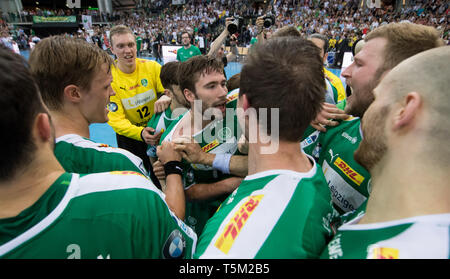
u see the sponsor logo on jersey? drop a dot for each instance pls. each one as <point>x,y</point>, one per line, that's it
<point>237,222</point>
<point>144,82</point>
<point>224,134</point>
<point>126,173</point>
<point>376,252</point>
<point>316,151</point>
<point>174,246</point>
<point>345,196</point>
<point>350,118</point>
<point>310,140</point>
<point>103,145</point>
<point>348,171</point>
<point>335,248</point>
<point>134,86</point>
<point>139,100</point>
<point>351,139</point>
<point>332,155</point>
<point>210,145</point>
<point>233,96</point>
<point>112,107</point>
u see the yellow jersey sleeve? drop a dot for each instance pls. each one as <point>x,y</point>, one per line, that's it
<point>337,84</point>
<point>136,93</point>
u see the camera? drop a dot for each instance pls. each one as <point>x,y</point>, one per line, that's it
<point>269,20</point>
<point>238,22</point>
<point>235,25</point>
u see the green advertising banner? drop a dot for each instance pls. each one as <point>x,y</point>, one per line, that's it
<point>54,19</point>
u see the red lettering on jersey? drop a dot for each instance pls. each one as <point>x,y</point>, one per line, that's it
<point>134,87</point>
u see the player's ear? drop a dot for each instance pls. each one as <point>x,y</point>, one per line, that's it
<point>408,112</point>
<point>168,93</point>
<point>189,95</point>
<point>43,127</point>
<point>245,104</point>
<point>325,58</point>
<point>72,93</point>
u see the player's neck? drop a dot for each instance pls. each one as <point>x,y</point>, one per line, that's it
<point>176,108</point>
<point>285,155</point>
<point>125,68</point>
<point>403,189</point>
<point>69,123</point>
<point>29,184</point>
<point>187,47</point>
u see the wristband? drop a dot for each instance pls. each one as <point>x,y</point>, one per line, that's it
<point>222,162</point>
<point>173,167</point>
<point>142,136</point>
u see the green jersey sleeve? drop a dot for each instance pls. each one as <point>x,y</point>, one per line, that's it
<point>117,215</point>
<point>80,155</point>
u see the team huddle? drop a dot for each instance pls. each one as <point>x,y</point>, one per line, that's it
<point>275,162</point>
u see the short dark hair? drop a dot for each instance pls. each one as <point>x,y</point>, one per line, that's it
<point>326,43</point>
<point>20,102</point>
<point>186,32</point>
<point>285,73</point>
<point>190,70</point>
<point>169,74</point>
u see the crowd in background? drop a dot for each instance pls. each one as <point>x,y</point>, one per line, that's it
<point>159,22</point>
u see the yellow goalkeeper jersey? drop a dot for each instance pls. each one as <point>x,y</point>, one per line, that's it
<point>337,86</point>
<point>136,93</point>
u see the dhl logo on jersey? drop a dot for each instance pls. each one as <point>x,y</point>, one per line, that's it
<point>103,145</point>
<point>383,253</point>
<point>234,227</point>
<point>210,145</point>
<point>350,118</point>
<point>232,97</point>
<point>126,173</point>
<point>348,171</point>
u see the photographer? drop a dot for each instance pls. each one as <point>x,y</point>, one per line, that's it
<point>263,24</point>
<point>261,33</point>
<point>218,47</point>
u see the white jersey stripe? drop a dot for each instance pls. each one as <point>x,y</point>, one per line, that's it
<point>84,143</point>
<point>47,221</point>
<point>277,195</point>
<point>94,183</point>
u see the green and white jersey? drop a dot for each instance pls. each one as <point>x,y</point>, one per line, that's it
<point>81,155</point>
<point>310,142</point>
<point>97,216</point>
<point>421,237</point>
<point>349,182</point>
<point>331,95</point>
<point>160,122</point>
<point>272,214</point>
<point>219,136</point>
<point>184,54</point>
